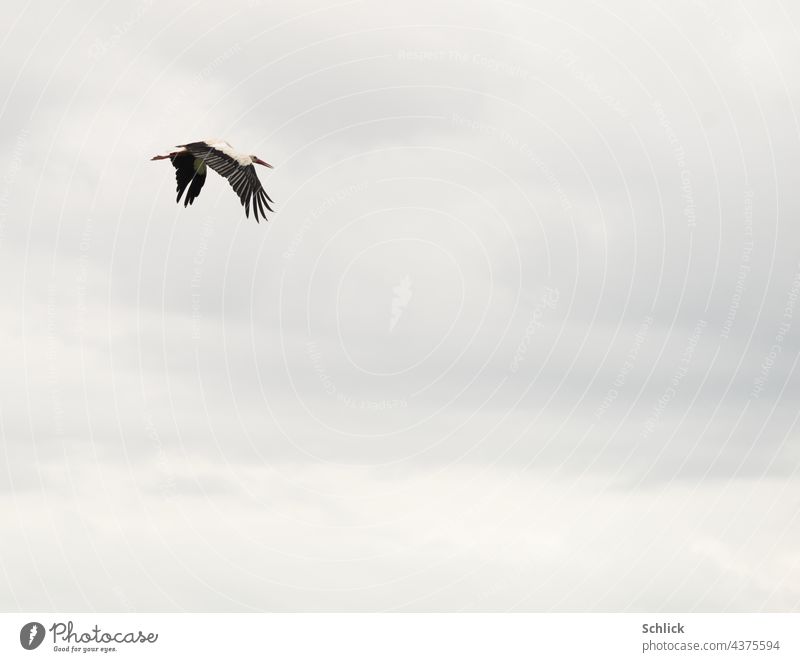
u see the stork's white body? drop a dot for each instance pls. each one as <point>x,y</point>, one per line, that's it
<point>226,148</point>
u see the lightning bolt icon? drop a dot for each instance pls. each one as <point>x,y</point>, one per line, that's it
<point>32,633</point>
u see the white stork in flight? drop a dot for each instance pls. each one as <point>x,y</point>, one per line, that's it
<point>190,163</point>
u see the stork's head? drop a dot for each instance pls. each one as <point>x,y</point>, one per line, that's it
<point>259,161</point>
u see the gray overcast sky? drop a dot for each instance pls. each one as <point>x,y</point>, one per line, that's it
<point>522,333</point>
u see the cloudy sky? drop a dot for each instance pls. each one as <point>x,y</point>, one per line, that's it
<point>522,334</point>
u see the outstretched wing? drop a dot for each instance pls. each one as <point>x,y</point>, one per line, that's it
<point>187,175</point>
<point>241,176</point>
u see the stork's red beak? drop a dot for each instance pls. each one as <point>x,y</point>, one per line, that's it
<point>260,162</point>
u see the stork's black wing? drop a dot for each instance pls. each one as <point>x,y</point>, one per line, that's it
<point>242,178</point>
<point>187,175</point>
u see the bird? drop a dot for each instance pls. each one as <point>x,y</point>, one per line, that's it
<point>190,162</point>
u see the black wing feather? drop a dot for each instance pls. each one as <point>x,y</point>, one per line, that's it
<point>194,189</point>
<point>186,175</point>
<point>243,179</point>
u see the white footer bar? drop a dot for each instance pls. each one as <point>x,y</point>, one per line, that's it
<point>400,637</point>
